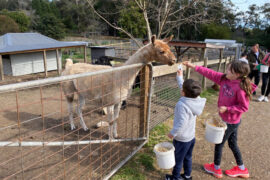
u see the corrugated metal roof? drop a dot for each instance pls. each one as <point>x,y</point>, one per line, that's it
<point>13,42</point>
<point>220,41</point>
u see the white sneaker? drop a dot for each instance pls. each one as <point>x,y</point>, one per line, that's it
<point>261,98</point>
<point>265,99</point>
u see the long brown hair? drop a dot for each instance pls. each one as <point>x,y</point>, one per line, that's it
<point>243,70</point>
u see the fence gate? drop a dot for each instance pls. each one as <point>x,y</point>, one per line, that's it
<point>36,141</point>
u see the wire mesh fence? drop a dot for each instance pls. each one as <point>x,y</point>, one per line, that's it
<point>36,140</point>
<point>165,95</point>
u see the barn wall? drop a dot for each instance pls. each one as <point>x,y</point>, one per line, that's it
<point>29,63</point>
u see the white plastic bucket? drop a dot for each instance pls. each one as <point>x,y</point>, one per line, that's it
<point>166,159</point>
<point>214,134</point>
<point>264,68</point>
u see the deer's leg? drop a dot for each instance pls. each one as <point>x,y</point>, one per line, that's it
<point>117,108</point>
<point>81,103</point>
<point>110,120</point>
<point>70,112</point>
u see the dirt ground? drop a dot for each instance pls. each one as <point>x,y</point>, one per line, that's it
<point>253,140</point>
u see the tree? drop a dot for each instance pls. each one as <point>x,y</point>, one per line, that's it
<point>132,20</point>
<point>215,31</point>
<point>50,26</point>
<point>7,25</point>
<point>46,20</point>
<point>20,18</point>
<point>11,5</point>
<point>163,17</point>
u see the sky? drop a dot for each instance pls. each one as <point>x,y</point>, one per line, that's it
<point>244,4</point>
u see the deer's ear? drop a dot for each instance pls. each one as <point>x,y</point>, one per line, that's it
<point>168,39</point>
<point>153,39</point>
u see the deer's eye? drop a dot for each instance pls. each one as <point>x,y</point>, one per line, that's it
<point>162,52</point>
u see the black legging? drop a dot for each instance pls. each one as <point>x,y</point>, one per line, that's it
<point>256,75</point>
<point>231,136</point>
<point>265,83</point>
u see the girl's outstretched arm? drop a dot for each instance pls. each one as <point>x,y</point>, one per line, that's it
<point>209,73</point>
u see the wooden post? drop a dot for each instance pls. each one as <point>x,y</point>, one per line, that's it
<point>204,78</point>
<point>225,63</point>
<point>231,58</point>
<point>235,57</point>
<point>144,87</point>
<point>45,63</point>
<point>85,54</point>
<point>203,51</point>
<point>188,72</point>
<point>220,59</point>
<point>1,69</point>
<point>59,68</point>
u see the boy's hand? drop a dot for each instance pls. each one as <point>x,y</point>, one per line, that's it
<point>179,72</point>
<point>188,64</point>
<point>170,135</point>
<point>222,109</point>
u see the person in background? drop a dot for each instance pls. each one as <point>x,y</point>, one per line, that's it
<point>265,80</point>
<point>233,100</point>
<point>254,58</point>
<point>244,57</point>
<point>189,106</point>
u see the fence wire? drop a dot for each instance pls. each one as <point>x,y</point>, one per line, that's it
<point>165,95</point>
<point>36,141</point>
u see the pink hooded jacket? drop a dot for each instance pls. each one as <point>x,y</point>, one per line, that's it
<point>230,95</point>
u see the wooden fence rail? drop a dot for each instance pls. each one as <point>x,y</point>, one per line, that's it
<point>164,69</point>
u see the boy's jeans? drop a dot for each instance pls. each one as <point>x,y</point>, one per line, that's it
<point>183,157</point>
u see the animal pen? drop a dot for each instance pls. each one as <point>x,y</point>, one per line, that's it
<point>36,141</point>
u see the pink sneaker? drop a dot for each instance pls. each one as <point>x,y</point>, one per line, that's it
<point>210,168</point>
<point>236,171</point>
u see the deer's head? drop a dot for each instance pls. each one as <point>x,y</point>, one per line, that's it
<point>161,51</point>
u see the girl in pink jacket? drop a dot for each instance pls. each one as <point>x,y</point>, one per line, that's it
<point>234,96</point>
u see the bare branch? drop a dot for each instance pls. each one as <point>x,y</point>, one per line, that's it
<point>91,3</point>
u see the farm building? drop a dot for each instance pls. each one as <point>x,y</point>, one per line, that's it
<point>27,53</point>
<point>231,46</point>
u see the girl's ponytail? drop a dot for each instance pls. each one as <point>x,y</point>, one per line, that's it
<point>246,86</point>
<point>243,70</point>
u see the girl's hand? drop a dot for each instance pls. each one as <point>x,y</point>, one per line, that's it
<point>222,109</point>
<point>188,64</point>
<point>170,135</point>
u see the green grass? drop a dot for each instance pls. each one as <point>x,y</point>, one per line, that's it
<point>209,93</point>
<point>143,161</point>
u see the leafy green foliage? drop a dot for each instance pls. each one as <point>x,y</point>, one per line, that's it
<point>46,19</point>
<point>132,20</point>
<point>50,26</point>
<point>20,18</point>
<point>215,31</point>
<point>7,25</point>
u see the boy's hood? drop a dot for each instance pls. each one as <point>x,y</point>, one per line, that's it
<point>196,105</point>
